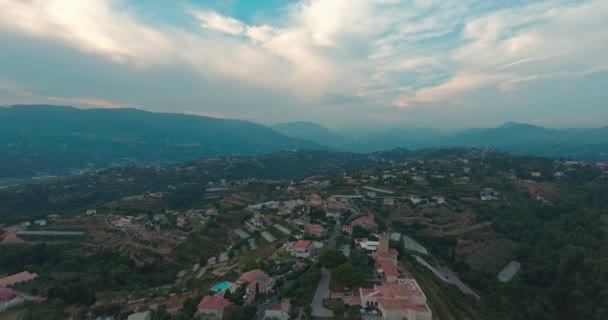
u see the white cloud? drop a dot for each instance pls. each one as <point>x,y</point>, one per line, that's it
<point>406,53</point>
<point>214,21</point>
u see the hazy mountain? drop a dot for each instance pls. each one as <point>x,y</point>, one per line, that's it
<point>312,132</point>
<point>40,138</point>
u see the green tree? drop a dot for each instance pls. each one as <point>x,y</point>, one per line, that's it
<point>332,258</point>
<point>348,275</point>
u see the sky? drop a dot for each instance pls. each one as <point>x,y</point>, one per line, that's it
<point>340,63</point>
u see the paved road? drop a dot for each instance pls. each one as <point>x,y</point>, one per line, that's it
<point>318,309</point>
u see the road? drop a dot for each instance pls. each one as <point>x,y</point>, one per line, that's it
<point>318,309</point>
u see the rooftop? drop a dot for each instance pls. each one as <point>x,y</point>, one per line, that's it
<point>302,244</point>
<point>213,303</point>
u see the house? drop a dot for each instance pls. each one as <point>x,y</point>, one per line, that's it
<point>535,174</point>
<point>17,278</point>
<point>212,308</point>
<point>366,222</point>
<point>488,194</point>
<point>264,285</point>
<point>7,294</point>
<point>438,199</point>
<point>91,212</point>
<point>403,299</point>
<point>299,222</point>
<point>314,230</point>
<point>303,249</point>
<point>337,202</point>
<point>314,201</point>
<point>366,244</point>
<point>388,201</point>
<point>181,221</point>
<point>280,312</point>
<point>370,194</point>
<point>388,270</point>
<point>347,228</point>
<point>156,195</point>
<point>415,199</point>
<point>140,316</point>
<point>250,276</point>
<point>40,222</point>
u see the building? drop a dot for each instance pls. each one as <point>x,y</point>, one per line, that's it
<point>337,202</point>
<point>250,276</point>
<point>396,301</point>
<point>140,316</point>
<point>6,294</point>
<point>314,230</point>
<point>366,244</point>
<point>438,199</point>
<point>280,312</point>
<point>314,201</point>
<point>366,222</point>
<point>303,249</point>
<point>17,278</point>
<point>415,199</point>
<point>388,201</point>
<point>264,285</point>
<point>41,222</point>
<point>212,308</point>
<point>347,228</point>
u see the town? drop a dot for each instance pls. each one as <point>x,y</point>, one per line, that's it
<point>375,242</point>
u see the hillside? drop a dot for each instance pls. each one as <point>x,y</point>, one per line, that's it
<point>312,132</point>
<point>40,138</point>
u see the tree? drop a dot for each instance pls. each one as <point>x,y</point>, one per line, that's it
<point>332,258</point>
<point>348,275</point>
<point>307,311</point>
<point>236,312</point>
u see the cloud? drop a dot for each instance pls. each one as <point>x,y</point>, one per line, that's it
<point>362,54</point>
<point>214,21</point>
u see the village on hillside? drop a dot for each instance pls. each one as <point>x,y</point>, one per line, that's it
<point>352,245</point>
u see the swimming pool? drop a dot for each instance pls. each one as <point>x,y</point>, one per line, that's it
<point>221,286</point>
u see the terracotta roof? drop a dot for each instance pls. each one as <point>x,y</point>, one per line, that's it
<point>6,293</point>
<point>16,278</point>
<point>302,244</point>
<point>213,303</point>
<point>365,220</point>
<point>394,304</point>
<point>388,268</point>
<point>314,229</point>
<point>347,227</point>
<point>251,276</point>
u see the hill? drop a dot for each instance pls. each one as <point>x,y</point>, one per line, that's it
<point>312,132</point>
<point>42,138</point>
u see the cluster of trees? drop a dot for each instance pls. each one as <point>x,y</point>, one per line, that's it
<point>343,272</point>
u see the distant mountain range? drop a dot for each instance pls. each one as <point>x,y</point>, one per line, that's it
<point>584,144</point>
<point>37,140</point>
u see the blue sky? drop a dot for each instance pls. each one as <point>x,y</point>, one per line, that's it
<point>341,63</point>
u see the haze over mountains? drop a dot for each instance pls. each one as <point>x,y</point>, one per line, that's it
<point>43,139</point>
<point>584,144</point>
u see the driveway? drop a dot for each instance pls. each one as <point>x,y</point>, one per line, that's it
<point>318,309</point>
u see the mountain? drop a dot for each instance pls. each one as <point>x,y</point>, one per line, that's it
<point>312,132</point>
<point>39,139</point>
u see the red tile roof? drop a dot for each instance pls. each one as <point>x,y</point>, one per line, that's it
<point>388,268</point>
<point>394,304</point>
<point>16,278</point>
<point>302,244</point>
<point>347,227</point>
<point>213,303</point>
<point>314,229</point>
<point>6,293</point>
<point>364,221</point>
<point>250,276</point>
